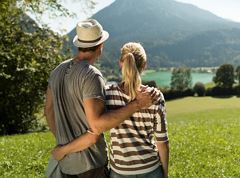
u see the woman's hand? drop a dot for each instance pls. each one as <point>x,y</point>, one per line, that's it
<point>58,153</point>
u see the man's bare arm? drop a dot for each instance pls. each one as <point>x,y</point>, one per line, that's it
<point>49,111</point>
<point>81,143</point>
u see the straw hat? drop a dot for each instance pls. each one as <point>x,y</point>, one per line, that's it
<point>89,33</point>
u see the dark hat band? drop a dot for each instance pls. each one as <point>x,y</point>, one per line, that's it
<point>92,41</point>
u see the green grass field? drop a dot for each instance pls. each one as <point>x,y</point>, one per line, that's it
<point>204,142</point>
<point>204,137</point>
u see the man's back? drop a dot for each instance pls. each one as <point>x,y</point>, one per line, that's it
<point>72,82</point>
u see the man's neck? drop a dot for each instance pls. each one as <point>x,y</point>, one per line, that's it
<point>90,57</point>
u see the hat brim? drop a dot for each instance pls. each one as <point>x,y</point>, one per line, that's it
<point>78,44</point>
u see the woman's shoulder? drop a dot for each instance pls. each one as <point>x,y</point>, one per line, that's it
<point>113,89</point>
<point>111,86</point>
<point>114,92</point>
<point>160,101</point>
<point>161,96</point>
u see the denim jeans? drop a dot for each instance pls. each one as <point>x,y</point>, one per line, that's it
<point>157,173</point>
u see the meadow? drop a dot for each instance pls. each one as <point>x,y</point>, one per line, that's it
<point>204,142</point>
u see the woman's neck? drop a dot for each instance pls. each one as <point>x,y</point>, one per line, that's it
<point>124,88</point>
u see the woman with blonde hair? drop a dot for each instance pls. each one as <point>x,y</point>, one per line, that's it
<point>139,145</point>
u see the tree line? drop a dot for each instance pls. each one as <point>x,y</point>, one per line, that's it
<point>226,80</point>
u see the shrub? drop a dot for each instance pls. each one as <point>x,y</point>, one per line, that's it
<point>174,94</point>
<point>150,83</point>
<point>236,90</point>
<point>27,54</point>
<point>199,89</point>
<point>219,91</point>
<point>188,92</point>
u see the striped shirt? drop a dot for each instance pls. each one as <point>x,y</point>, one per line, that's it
<point>133,143</point>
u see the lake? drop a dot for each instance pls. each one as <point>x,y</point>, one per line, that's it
<point>163,78</point>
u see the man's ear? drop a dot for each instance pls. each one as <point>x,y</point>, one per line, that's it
<point>144,66</point>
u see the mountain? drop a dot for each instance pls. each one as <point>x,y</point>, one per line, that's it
<point>172,33</point>
<point>210,48</point>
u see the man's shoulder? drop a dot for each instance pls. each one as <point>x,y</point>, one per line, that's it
<point>92,69</point>
<point>62,65</point>
<point>57,70</point>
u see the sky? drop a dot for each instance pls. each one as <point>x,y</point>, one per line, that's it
<point>228,9</point>
<point>63,25</point>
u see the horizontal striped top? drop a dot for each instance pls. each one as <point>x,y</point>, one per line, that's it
<point>132,143</point>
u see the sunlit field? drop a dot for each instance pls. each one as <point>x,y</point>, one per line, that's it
<point>204,140</point>
<point>204,134</point>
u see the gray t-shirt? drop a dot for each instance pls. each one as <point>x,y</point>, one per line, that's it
<point>71,82</point>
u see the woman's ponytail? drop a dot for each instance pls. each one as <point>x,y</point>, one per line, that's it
<point>130,75</point>
<point>133,60</point>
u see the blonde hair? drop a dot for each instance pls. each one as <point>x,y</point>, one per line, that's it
<point>133,58</point>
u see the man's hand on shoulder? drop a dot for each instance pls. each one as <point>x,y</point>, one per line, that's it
<point>147,96</point>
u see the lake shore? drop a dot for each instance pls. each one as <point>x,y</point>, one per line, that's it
<point>162,76</point>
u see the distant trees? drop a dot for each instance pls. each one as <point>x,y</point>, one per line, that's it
<point>224,76</point>
<point>238,74</point>
<point>224,79</point>
<point>181,79</point>
<point>181,84</point>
